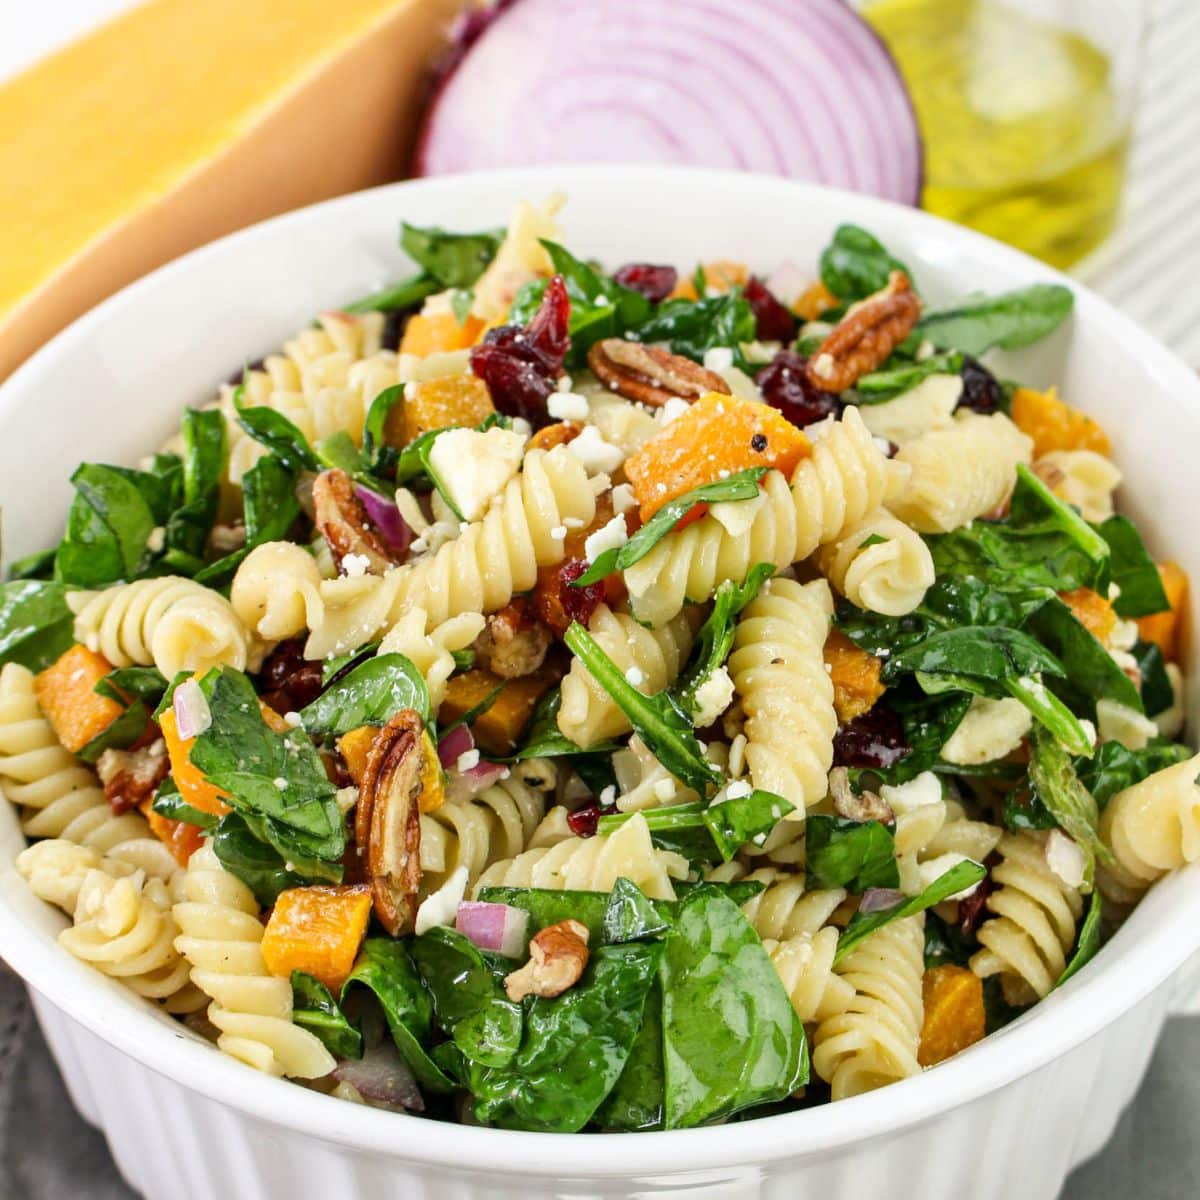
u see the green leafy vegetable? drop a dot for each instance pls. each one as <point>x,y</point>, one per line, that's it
<point>120,734</point>
<point>693,327</point>
<point>855,264</point>
<point>1024,810</point>
<point>1008,321</point>
<point>133,683</point>
<point>370,694</point>
<point>889,382</point>
<point>630,915</point>
<point>36,626</point>
<point>1114,768</point>
<point>396,297</point>
<point>636,1101</point>
<point>39,565</point>
<point>1157,692</point>
<point>170,804</point>
<point>1131,568</point>
<point>315,1009</point>
<point>1087,944</point>
<point>454,260</point>
<point>203,464</point>
<point>273,430</point>
<point>377,456</point>
<point>258,865</point>
<point>544,739</point>
<point>742,485</point>
<point>855,855</point>
<point>976,658</point>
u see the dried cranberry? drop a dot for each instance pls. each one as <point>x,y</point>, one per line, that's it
<point>393,327</point>
<point>981,392</point>
<point>875,740</point>
<point>654,282</point>
<point>521,365</point>
<point>772,321</point>
<point>971,910</point>
<point>557,603</point>
<point>785,386</point>
<point>583,821</point>
<point>289,680</point>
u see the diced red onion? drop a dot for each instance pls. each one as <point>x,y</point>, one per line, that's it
<point>382,1078</point>
<point>787,281</point>
<point>454,744</point>
<point>386,518</point>
<point>802,88</point>
<point>499,927</point>
<point>877,899</point>
<point>462,785</point>
<point>192,715</point>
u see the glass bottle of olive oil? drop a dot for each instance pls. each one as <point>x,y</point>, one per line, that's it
<point>1025,122</point>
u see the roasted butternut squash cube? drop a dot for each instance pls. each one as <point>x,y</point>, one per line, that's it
<point>454,400</point>
<point>180,837</point>
<point>955,1017</point>
<point>356,745</point>
<point>498,729</point>
<point>1092,611</point>
<point>65,694</point>
<point>1055,425</point>
<point>855,675</point>
<point>317,930</point>
<point>720,275</point>
<point>439,332</point>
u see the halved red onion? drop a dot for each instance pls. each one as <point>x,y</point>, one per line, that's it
<point>877,899</point>
<point>386,518</point>
<point>453,745</point>
<point>192,714</point>
<point>382,1078</point>
<point>499,927</point>
<point>802,88</point>
<point>787,281</point>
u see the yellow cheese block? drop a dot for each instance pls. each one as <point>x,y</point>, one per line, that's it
<point>185,119</point>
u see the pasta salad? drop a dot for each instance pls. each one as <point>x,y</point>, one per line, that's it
<point>560,700</point>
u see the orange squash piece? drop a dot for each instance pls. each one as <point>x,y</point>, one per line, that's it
<point>955,1017</point>
<point>180,837</point>
<point>1165,629</point>
<point>550,436</point>
<point>356,745</point>
<point>65,694</point>
<point>1055,425</point>
<point>855,675</point>
<point>439,332</point>
<point>354,748</point>
<point>317,930</point>
<point>498,729</point>
<point>717,436</point>
<point>813,301</point>
<point>719,276</point>
<point>1092,611</point>
<point>461,400</point>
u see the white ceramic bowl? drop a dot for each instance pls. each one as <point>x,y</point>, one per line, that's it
<point>1009,1117</point>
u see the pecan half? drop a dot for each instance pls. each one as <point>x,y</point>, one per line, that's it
<point>557,957</point>
<point>132,776</point>
<point>343,522</point>
<point>387,820</point>
<point>650,374</point>
<point>513,642</point>
<point>549,436</point>
<point>857,806</point>
<point>866,336</point>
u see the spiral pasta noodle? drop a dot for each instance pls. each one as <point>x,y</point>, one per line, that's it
<point>1027,940</point>
<point>220,936</point>
<point>431,651</point>
<point>881,564</point>
<point>778,669</point>
<point>874,1040</point>
<point>1152,828</point>
<point>276,591</point>
<point>171,623</point>
<point>961,472</point>
<point>55,870</point>
<point>593,864</point>
<point>846,478</point>
<point>1082,478</point>
<point>649,658</point>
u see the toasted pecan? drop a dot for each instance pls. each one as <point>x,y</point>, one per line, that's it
<point>650,374</point>
<point>343,522</point>
<point>557,957</point>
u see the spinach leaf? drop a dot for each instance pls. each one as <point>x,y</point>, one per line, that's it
<point>636,1101</point>
<point>855,855</point>
<point>715,637</point>
<point>1113,768</point>
<point>170,804</point>
<point>977,658</point>
<point>396,297</point>
<point>548,906</point>
<point>384,967</point>
<point>946,943</point>
<point>731,1038</point>
<point>39,565</point>
<point>453,260</point>
<point>203,464</point>
<point>133,683</point>
<point>575,1046</point>
<point>928,722</point>
<point>877,387</point>
<point>275,781</point>
<point>1156,690</point>
<point>1008,321</point>
<point>1087,944</point>
<point>333,667</point>
<point>370,694</point>
<point>665,730</point>
<point>378,456</point>
<point>1070,803</point>
<point>273,430</point>
<point>1024,810</point>
<point>631,916</point>
<point>855,264</point>
<point>242,853</point>
<point>957,879</point>
<point>1132,569</point>
<point>741,485</point>
<point>36,626</point>
<point>544,739</point>
<point>315,1009</point>
<point>120,734</point>
<point>693,327</point>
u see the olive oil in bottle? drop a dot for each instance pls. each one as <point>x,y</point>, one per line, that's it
<point>1025,130</point>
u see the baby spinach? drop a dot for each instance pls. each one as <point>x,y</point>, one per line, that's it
<point>203,464</point>
<point>453,260</point>
<point>1073,807</point>
<point>315,1009</point>
<point>855,264</point>
<point>928,723</point>
<point>1024,810</point>
<point>731,1038</point>
<point>133,683</point>
<point>242,853</point>
<point>275,781</point>
<point>275,431</point>
<point>1131,568</point>
<point>741,485</point>
<point>714,640</point>
<point>38,565</point>
<point>1008,321</point>
<point>396,297</point>
<point>957,879</point>
<point>975,658</point>
<point>636,1101</point>
<point>378,456</point>
<point>1087,944</point>
<point>946,943</point>
<point>36,626</point>
<point>385,968</point>
<point>548,906</point>
<point>854,855</point>
<point>877,387</point>
<point>693,327</point>
<point>120,734</point>
<point>1156,689</point>
<point>170,804</point>
<point>370,694</point>
<point>1113,767</point>
<point>631,916</point>
<point>666,731</point>
<point>574,1048</point>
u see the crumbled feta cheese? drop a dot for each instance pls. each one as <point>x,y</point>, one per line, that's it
<point>989,730</point>
<point>736,516</point>
<point>522,428</point>
<point>473,467</point>
<point>672,410</point>
<point>573,522</point>
<point>623,498</point>
<point>713,697</point>
<point>564,383</point>
<point>737,789</point>
<point>635,675</point>
<point>923,790</point>
<point>718,359</point>
<point>931,871</point>
<point>441,907</point>
<point>567,406</point>
<point>1170,720</point>
<point>467,760</point>
<point>1124,635</point>
<point>558,532</point>
<point>346,799</point>
<point>156,539</point>
<point>664,790</point>
<point>610,536</point>
<point>883,444</point>
<point>1117,723</point>
<point>608,794</point>
<point>280,783</point>
<point>355,565</point>
<point>1064,858</point>
<point>594,453</point>
<point>925,350</point>
<point>293,719</point>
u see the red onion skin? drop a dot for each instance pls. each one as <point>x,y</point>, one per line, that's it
<point>878,899</point>
<point>498,927</point>
<point>386,518</point>
<point>382,1077</point>
<point>453,744</point>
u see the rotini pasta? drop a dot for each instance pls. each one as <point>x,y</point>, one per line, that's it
<point>219,937</point>
<point>276,591</point>
<point>169,622</point>
<point>1082,478</point>
<point>431,651</point>
<point>930,405</point>
<point>961,472</point>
